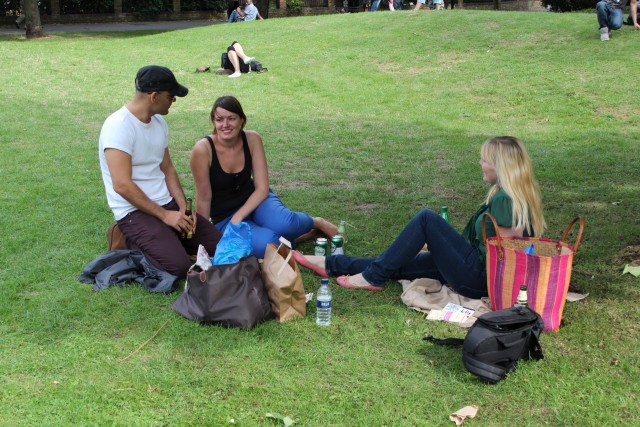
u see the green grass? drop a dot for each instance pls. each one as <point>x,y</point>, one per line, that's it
<point>365,117</point>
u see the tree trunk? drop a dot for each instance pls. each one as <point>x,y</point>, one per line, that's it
<point>32,19</point>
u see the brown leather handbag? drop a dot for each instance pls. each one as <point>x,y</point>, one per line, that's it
<point>231,295</point>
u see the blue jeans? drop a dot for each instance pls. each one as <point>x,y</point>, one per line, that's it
<point>609,16</point>
<point>270,220</point>
<point>374,5</point>
<point>235,17</point>
<point>451,258</point>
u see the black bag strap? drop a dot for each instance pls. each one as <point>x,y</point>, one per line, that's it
<point>536,350</point>
<point>451,342</point>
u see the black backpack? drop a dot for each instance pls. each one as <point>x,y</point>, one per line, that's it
<point>497,340</point>
<point>257,67</point>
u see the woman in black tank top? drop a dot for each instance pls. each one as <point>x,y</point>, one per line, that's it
<point>232,183</point>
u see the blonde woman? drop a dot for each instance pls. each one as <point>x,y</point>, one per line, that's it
<point>455,259</point>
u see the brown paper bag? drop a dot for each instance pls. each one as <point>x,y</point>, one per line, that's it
<point>283,282</point>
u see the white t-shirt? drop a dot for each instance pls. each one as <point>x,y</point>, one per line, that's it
<point>146,144</point>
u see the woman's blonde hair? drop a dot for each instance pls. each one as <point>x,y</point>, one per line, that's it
<point>514,172</point>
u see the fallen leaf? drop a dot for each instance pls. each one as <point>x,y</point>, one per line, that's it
<point>631,269</point>
<point>287,421</point>
<point>153,388</point>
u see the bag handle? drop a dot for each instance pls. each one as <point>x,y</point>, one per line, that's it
<point>580,230</point>
<point>495,227</point>
<point>287,243</point>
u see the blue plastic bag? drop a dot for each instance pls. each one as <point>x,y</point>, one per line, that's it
<point>234,244</point>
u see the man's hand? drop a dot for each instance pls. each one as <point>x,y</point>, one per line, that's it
<point>178,221</point>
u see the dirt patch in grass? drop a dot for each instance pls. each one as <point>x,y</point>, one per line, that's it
<point>629,255</point>
<point>365,208</point>
<point>292,184</point>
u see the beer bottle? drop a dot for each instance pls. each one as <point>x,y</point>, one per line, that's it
<point>521,301</point>
<point>444,213</point>
<point>189,212</point>
<point>342,228</point>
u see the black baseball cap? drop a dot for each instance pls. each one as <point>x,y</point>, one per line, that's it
<point>154,78</point>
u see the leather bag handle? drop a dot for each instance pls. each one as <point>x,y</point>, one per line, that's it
<point>580,230</point>
<point>558,246</point>
<point>495,227</point>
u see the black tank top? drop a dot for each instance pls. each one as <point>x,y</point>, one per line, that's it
<point>229,191</point>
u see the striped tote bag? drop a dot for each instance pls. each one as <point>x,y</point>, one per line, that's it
<point>546,273</point>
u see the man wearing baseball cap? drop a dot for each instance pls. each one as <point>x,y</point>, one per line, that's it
<point>142,185</point>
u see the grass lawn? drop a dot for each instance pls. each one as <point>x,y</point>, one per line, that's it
<point>367,118</point>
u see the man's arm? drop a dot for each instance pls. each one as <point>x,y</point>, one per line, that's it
<point>634,14</point>
<point>120,168</point>
<point>173,181</point>
<point>175,189</point>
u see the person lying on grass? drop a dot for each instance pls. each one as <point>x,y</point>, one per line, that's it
<point>232,183</point>
<point>455,259</point>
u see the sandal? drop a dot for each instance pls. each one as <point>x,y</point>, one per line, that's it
<point>303,261</point>
<point>344,282</point>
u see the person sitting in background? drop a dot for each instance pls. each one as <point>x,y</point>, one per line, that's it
<point>236,62</point>
<point>610,16</point>
<point>455,259</point>
<point>250,13</point>
<point>231,177</point>
<point>435,4</point>
<point>233,5</point>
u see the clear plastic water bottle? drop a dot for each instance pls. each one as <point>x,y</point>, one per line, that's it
<point>323,306</point>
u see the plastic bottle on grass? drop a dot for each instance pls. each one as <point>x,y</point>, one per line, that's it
<point>323,306</point>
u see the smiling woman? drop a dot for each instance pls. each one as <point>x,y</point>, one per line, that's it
<point>232,183</point>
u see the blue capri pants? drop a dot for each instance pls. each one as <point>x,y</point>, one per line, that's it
<point>270,220</point>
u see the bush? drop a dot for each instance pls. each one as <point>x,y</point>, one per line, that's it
<point>197,5</point>
<point>295,5</point>
<point>68,7</point>
<point>569,5</point>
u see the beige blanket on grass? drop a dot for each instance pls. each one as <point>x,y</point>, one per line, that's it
<point>427,294</point>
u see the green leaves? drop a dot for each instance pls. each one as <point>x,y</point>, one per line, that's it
<point>286,421</point>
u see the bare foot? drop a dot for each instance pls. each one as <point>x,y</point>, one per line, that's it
<point>325,227</point>
<point>316,260</point>
<point>312,262</point>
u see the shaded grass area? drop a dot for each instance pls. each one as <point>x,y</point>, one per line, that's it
<point>365,117</point>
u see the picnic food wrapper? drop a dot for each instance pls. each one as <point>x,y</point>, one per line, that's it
<point>460,415</point>
<point>203,260</point>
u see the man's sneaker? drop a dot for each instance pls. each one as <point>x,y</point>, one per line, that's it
<point>247,60</point>
<point>234,75</point>
<point>604,34</point>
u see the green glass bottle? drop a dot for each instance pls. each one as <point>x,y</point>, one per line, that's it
<point>444,213</point>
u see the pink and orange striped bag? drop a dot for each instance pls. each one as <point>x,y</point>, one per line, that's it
<point>546,274</point>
